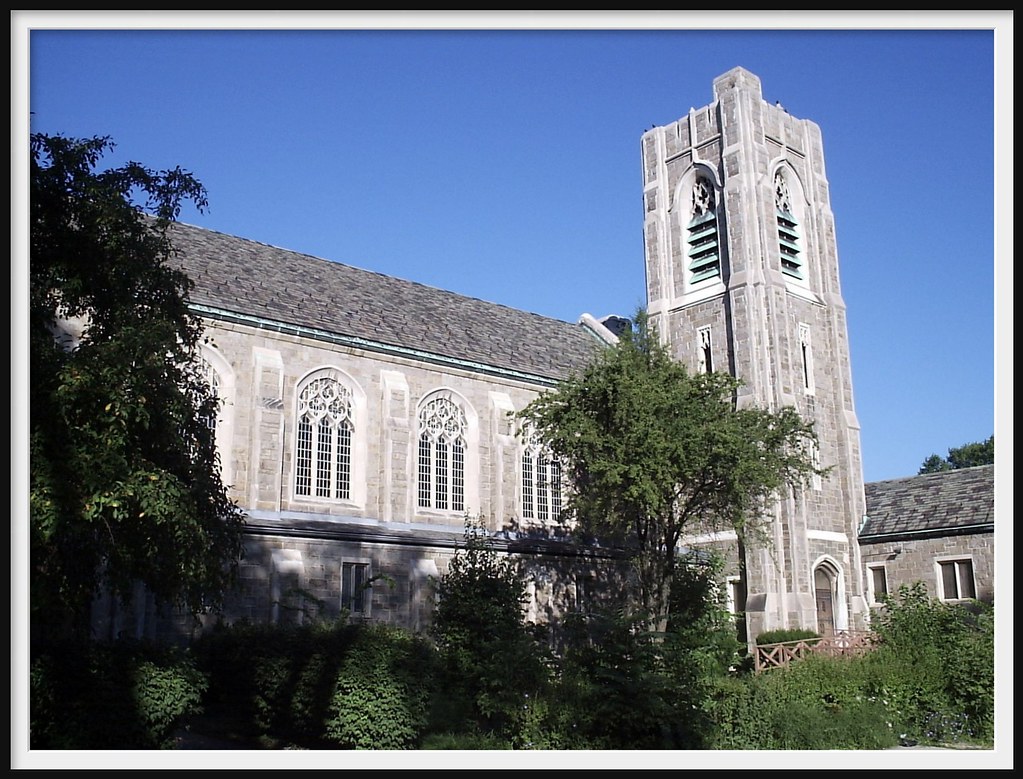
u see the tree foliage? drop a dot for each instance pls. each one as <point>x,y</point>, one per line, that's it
<point>492,660</point>
<point>651,451</point>
<point>125,482</point>
<point>965,456</point>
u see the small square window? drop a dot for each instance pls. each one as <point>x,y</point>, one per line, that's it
<point>955,579</point>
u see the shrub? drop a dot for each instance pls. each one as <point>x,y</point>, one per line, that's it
<point>934,698</point>
<point>929,679</point>
<point>491,659</point>
<point>120,695</point>
<point>465,741</point>
<point>816,703</point>
<point>381,698</point>
<point>274,683</point>
<point>781,636</point>
<point>612,685</point>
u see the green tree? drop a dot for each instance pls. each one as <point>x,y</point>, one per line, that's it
<point>651,451</point>
<point>965,456</point>
<point>124,478</point>
<point>493,663</point>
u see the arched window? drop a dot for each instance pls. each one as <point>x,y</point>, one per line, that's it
<point>442,445</point>
<point>788,229</point>
<point>541,481</point>
<point>212,378</point>
<point>704,250</point>
<point>217,372</point>
<point>323,456</point>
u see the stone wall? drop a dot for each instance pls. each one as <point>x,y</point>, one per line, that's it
<point>908,560</point>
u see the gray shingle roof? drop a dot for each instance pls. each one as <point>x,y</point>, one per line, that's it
<point>253,279</point>
<point>949,500</point>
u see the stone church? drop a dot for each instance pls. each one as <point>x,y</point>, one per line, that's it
<point>364,417</point>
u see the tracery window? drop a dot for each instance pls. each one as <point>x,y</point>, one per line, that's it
<point>542,492</point>
<point>704,250</point>
<point>442,437</point>
<point>323,458</point>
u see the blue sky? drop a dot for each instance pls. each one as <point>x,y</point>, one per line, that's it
<point>505,163</point>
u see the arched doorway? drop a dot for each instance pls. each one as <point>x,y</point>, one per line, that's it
<point>824,578</point>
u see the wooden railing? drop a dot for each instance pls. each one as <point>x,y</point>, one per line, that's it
<point>843,644</point>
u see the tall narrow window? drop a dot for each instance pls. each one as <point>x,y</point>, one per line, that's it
<point>705,360</point>
<point>323,457</point>
<point>736,596</point>
<point>442,430</point>
<point>815,461</point>
<point>878,582</point>
<point>355,587</point>
<point>213,379</point>
<point>542,494</point>
<point>704,251</point>
<point>806,358</point>
<point>788,229</point>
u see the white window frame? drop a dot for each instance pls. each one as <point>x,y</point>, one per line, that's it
<point>541,481</point>
<point>704,351</point>
<point>217,366</point>
<point>683,221</point>
<point>872,595</point>
<point>806,358</point>
<point>788,204</point>
<point>732,586</point>
<point>468,423</point>
<point>355,419</point>
<point>956,561</point>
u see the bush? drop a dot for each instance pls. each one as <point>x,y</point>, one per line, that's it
<point>383,691</point>
<point>491,660</point>
<point>464,741</point>
<point>816,703</point>
<point>781,636</point>
<point>273,683</point>
<point>935,699</point>
<point>120,695</point>
<point>929,679</point>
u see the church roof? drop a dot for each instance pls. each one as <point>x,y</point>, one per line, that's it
<point>956,500</point>
<point>274,285</point>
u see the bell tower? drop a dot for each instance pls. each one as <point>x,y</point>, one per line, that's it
<point>742,276</point>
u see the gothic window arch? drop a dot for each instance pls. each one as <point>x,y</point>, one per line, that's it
<point>216,371</point>
<point>329,438</point>
<point>703,242</point>
<point>542,487</point>
<point>788,212</point>
<point>443,448</point>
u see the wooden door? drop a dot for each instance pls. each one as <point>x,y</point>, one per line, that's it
<point>825,603</point>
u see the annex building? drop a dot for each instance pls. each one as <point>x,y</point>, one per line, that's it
<point>365,416</point>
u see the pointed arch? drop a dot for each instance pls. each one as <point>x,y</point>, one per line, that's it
<point>447,471</point>
<point>219,375</point>
<point>698,214</point>
<point>828,580</point>
<point>790,209</point>
<point>330,438</point>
